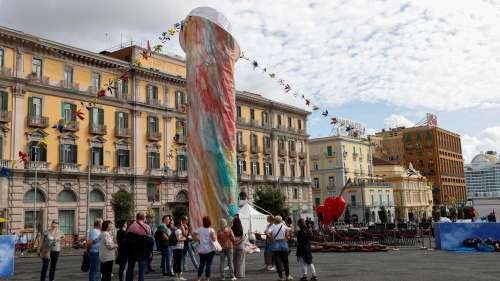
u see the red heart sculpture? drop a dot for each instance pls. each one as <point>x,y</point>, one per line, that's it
<point>333,208</point>
<point>320,210</point>
<point>338,206</point>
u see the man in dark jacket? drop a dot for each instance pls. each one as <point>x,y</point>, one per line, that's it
<point>139,242</point>
<point>161,237</point>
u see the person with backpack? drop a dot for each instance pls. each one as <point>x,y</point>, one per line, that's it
<point>139,243</point>
<point>176,241</point>
<point>93,245</point>
<point>162,234</point>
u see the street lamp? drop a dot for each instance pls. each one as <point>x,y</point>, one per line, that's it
<point>88,189</point>
<point>35,166</point>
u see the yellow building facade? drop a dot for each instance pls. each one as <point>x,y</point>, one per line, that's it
<point>133,139</point>
<point>336,159</point>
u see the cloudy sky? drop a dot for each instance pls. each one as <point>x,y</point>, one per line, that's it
<point>383,63</point>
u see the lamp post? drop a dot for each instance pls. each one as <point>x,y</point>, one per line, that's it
<point>35,150</point>
<point>88,189</point>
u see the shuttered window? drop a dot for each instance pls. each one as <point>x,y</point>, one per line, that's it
<point>4,100</point>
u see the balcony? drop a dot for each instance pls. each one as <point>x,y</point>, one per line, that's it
<point>267,150</point>
<point>69,167</point>
<point>5,116</point>
<point>296,179</point>
<point>69,85</point>
<point>257,178</point>
<point>38,121</point>
<point>301,131</point>
<point>6,164</point>
<point>180,139</point>
<point>282,152</point>
<point>33,77</point>
<point>122,132</point>
<point>92,90</point>
<point>154,172</point>
<point>254,149</point>
<point>305,179</point>
<point>292,153</point>
<point>5,71</point>
<point>292,129</point>
<point>241,147</point>
<point>182,174</point>
<point>284,179</point>
<point>266,125</point>
<point>302,155</point>
<point>241,120</point>
<point>254,123</point>
<point>97,129</point>
<point>123,96</point>
<point>123,171</point>
<point>99,169</point>
<point>38,165</point>
<point>243,177</point>
<point>270,178</point>
<point>154,135</point>
<point>153,102</point>
<point>71,126</point>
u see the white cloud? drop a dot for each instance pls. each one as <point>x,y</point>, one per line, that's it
<point>395,120</point>
<point>487,139</point>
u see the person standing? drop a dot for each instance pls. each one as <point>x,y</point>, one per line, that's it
<point>93,245</point>
<point>121,258</point>
<point>23,242</point>
<point>188,246</point>
<point>268,253</point>
<point>304,252</point>
<point>161,237</point>
<point>149,222</point>
<point>279,233</point>
<point>107,250</point>
<point>178,239</point>
<point>50,247</point>
<point>226,239</point>
<point>138,243</point>
<point>239,248</point>
<point>206,236</point>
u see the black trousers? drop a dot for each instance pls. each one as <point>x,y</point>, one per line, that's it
<point>54,256</point>
<point>121,269</point>
<point>106,270</point>
<point>281,258</point>
<point>178,260</point>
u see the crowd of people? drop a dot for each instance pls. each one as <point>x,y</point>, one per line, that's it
<point>134,243</point>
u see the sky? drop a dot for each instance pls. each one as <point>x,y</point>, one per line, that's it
<point>383,63</point>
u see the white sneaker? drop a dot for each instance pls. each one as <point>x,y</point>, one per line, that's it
<point>182,279</point>
<point>233,279</point>
<point>272,268</point>
<point>289,277</point>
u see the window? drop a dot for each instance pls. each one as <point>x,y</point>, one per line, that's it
<point>428,136</point>
<point>281,145</point>
<point>94,214</point>
<point>68,111</point>
<point>37,152</point>
<point>97,156</point>
<point>97,116</point>
<point>282,169</point>
<point>4,100</point>
<point>180,100</point>
<point>295,193</point>
<point>331,181</point>
<point>35,107</point>
<point>242,167</point>
<point>329,150</point>
<point>267,142</point>
<point>153,125</point>
<point>122,120</point>
<point>253,140</point>
<point>302,170</point>
<point>279,120</point>
<point>299,124</point>
<point>36,68</point>
<point>317,201</point>
<point>252,114</point>
<point>67,221</point>
<point>2,56</point>
<point>153,160</point>
<point>181,163</point>
<point>265,118</point>
<point>122,86</point>
<point>353,200</point>
<point>29,197</point>
<point>96,81</point>
<point>268,169</point>
<point>153,191</point>
<point>419,136</point>
<point>408,137</point>
<point>381,201</point>
<point>290,122</point>
<point>238,111</point>
<point>291,146</point>
<point>68,75</point>
<point>96,196</point>
<point>66,196</point>
<point>292,169</point>
<point>239,138</point>
<point>29,219</point>
<point>68,154</point>
<point>316,166</point>
<point>255,167</point>
<point>316,183</point>
<point>152,94</point>
<point>123,158</point>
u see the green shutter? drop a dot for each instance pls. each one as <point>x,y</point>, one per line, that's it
<point>61,153</point>
<point>5,101</point>
<point>101,116</point>
<point>31,107</point>
<point>125,119</point>
<point>116,118</point>
<point>177,99</point>
<point>73,112</point>
<point>74,154</point>
<point>155,93</point>
<point>43,153</point>
<point>91,115</point>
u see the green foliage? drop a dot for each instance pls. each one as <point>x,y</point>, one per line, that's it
<point>453,213</point>
<point>347,215</point>
<point>272,200</point>
<point>461,214</point>
<point>443,212</point>
<point>122,203</point>
<point>382,214</point>
<point>180,211</point>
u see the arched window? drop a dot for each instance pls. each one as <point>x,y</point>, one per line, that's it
<point>182,196</point>
<point>29,197</point>
<point>66,196</point>
<point>96,196</point>
<point>243,195</point>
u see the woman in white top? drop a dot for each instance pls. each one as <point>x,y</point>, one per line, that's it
<point>206,236</point>
<point>178,249</point>
<point>107,250</point>
<point>278,234</point>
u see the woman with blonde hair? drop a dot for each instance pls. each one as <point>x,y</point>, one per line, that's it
<point>226,239</point>
<point>279,234</point>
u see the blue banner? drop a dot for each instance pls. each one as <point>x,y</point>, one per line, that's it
<point>7,249</point>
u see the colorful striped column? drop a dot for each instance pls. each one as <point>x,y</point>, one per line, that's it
<point>211,53</point>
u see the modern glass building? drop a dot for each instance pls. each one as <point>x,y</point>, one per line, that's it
<point>483,176</point>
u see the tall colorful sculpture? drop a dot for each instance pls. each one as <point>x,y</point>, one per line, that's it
<point>211,53</point>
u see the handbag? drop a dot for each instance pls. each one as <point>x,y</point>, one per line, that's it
<point>85,262</point>
<point>279,245</point>
<point>217,246</point>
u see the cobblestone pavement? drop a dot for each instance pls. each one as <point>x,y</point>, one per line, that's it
<point>406,264</point>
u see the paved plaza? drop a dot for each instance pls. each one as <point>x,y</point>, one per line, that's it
<point>406,264</point>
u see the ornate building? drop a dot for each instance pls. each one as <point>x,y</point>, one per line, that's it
<point>132,140</point>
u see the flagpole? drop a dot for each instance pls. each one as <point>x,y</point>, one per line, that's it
<point>36,190</point>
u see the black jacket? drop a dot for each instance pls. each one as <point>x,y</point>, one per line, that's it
<point>304,245</point>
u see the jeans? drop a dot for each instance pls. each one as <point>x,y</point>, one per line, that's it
<point>95,263</point>
<point>190,252</point>
<point>178,254</point>
<point>106,270</point>
<point>239,262</point>
<point>281,258</point>
<point>166,260</point>
<point>206,261</point>
<point>54,256</point>
<point>226,257</point>
<point>143,262</point>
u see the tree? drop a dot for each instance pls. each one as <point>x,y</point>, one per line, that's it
<point>272,200</point>
<point>443,212</point>
<point>347,215</point>
<point>180,211</point>
<point>461,214</point>
<point>453,214</point>
<point>382,214</point>
<point>122,203</point>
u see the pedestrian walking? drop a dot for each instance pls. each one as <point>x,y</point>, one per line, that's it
<point>206,237</point>
<point>304,252</point>
<point>161,237</point>
<point>239,248</point>
<point>50,247</point>
<point>188,246</point>
<point>268,253</point>
<point>107,250</point>
<point>279,234</point>
<point>177,242</point>
<point>93,245</point>
<point>138,242</point>
<point>226,239</point>
<point>121,258</point>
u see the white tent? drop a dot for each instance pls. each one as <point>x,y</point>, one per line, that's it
<point>252,220</point>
